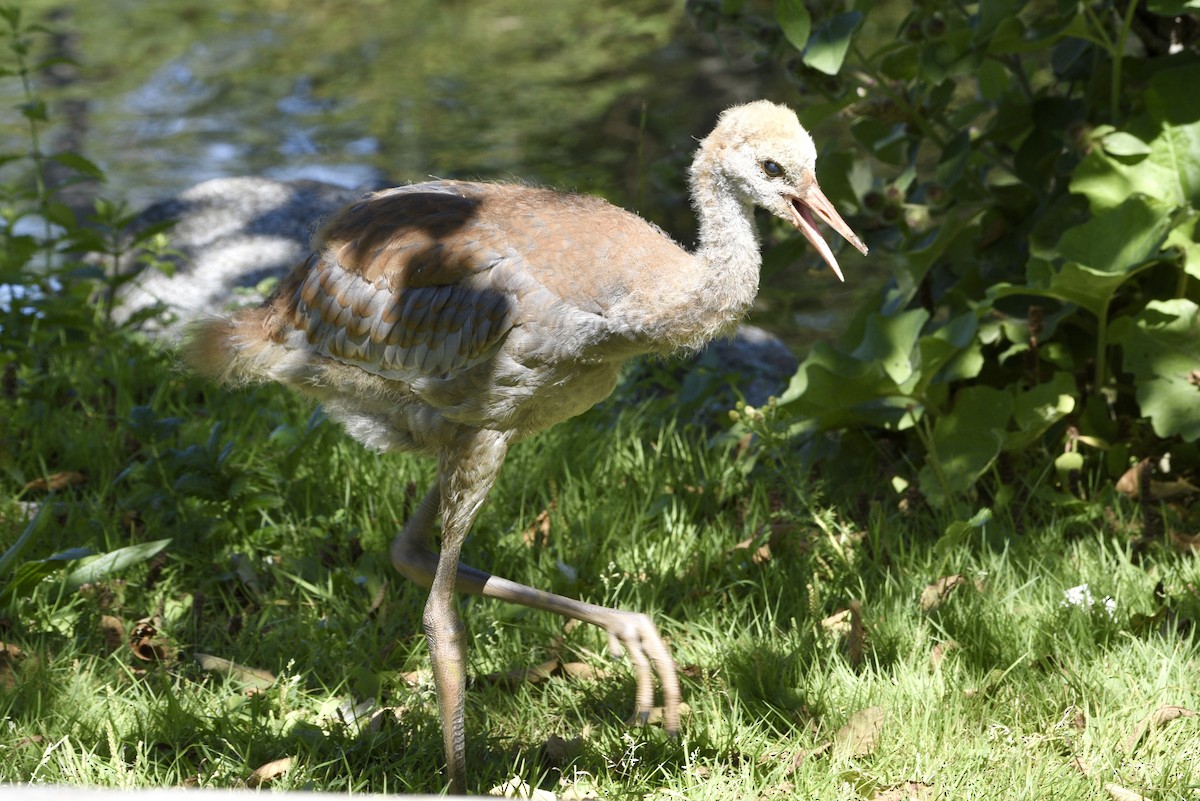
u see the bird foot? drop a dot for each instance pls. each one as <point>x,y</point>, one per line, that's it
<point>635,635</point>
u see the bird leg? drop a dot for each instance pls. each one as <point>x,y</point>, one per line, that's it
<point>631,632</point>
<point>466,472</point>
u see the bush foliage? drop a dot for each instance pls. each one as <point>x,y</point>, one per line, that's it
<point>1031,172</point>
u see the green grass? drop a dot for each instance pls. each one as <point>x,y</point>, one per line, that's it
<point>279,529</point>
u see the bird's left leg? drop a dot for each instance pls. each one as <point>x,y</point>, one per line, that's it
<point>631,632</point>
<point>466,473</point>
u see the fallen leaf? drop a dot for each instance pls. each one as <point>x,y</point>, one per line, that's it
<point>939,651</point>
<point>582,671</point>
<point>416,678</point>
<point>1165,490</point>
<point>1186,543</point>
<point>1119,793</point>
<point>147,645</point>
<point>579,791</point>
<point>1156,719</point>
<point>269,772</point>
<point>761,554</point>
<point>232,670</point>
<point>1130,482</point>
<point>114,633</point>
<point>1079,719</point>
<point>9,654</point>
<point>856,639</point>
<point>539,532</point>
<point>907,791</point>
<point>860,735</point>
<point>57,482</point>
<point>837,623</point>
<point>935,594</point>
<point>800,756</point>
<point>559,751</point>
<point>518,788</point>
<point>655,718</point>
<point>518,676</point>
<point>387,713</point>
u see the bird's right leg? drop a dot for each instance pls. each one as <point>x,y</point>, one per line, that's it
<point>466,473</point>
<point>631,632</point>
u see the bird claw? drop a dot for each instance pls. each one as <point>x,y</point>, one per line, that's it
<point>635,635</point>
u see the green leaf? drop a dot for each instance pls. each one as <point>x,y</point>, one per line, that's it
<point>828,45</point>
<point>1162,349</point>
<point>794,20</point>
<point>889,342</point>
<point>1116,241</point>
<point>79,164</point>
<point>965,442</point>
<point>9,559</point>
<point>1173,8</point>
<point>29,574</point>
<point>958,534</point>
<point>834,390</point>
<point>1039,408</point>
<point>1120,143</point>
<point>113,562</point>
<point>1171,129</point>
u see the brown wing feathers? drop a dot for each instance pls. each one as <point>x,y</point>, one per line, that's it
<point>387,293</point>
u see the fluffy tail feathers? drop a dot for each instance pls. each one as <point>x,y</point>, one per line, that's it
<point>230,350</point>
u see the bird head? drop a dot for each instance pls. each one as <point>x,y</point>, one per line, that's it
<point>768,159</point>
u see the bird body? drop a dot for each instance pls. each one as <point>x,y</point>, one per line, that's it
<point>453,319</point>
<point>463,304</point>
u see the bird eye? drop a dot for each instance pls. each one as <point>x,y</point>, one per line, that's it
<point>772,169</point>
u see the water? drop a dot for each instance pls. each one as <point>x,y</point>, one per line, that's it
<point>600,97</point>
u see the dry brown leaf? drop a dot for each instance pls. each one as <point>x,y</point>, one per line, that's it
<point>1185,543</point>
<point>935,594</point>
<point>760,555</point>
<point>518,676</point>
<point>655,718</point>
<point>907,791</point>
<point>560,751</point>
<point>581,671</point>
<point>518,788</point>
<point>387,713</point>
<point>57,482</point>
<point>855,640</point>
<point>1130,483</point>
<point>800,756</point>
<point>1166,490</point>
<point>232,670</point>
<point>147,645</point>
<point>114,633</point>
<point>939,651</point>
<point>9,654</point>
<point>837,623</point>
<point>1119,793</point>
<point>269,772</point>
<point>539,532</point>
<point>860,735</point>
<point>1156,719</point>
<point>416,678</point>
<point>579,791</point>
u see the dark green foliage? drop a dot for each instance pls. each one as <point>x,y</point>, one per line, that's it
<point>1036,197</point>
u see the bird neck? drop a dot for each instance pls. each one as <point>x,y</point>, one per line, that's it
<point>726,261</point>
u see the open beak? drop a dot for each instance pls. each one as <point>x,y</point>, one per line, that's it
<point>815,203</point>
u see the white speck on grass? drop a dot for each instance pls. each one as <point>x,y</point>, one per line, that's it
<point>1081,596</point>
